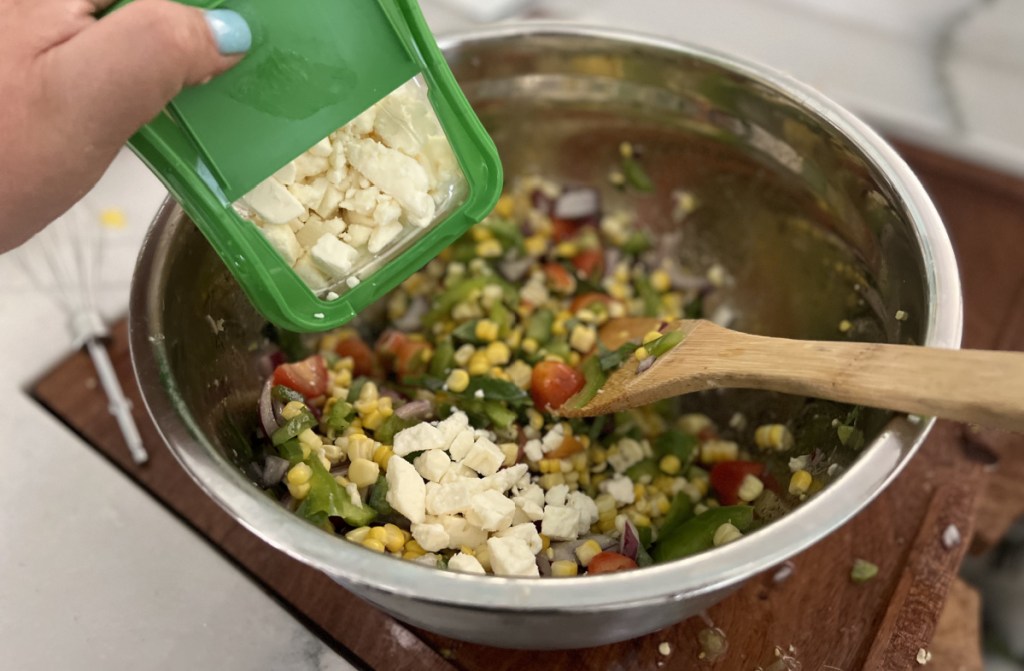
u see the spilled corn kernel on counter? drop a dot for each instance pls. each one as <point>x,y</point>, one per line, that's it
<point>431,433</point>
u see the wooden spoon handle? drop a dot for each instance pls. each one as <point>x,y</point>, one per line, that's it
<point>983,387</point>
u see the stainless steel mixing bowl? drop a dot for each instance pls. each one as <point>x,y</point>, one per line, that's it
<point>813,215</point>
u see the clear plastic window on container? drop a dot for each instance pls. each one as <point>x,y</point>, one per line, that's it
<point>361,196</point>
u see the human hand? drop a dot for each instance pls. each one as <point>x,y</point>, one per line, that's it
<point>75,88</point>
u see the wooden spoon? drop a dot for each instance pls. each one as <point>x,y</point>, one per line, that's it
<point>975,386</point>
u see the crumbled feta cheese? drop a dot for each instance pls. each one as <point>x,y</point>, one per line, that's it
<point>587,509</point>
<point>461,446</point>
<point>484,457</point>
<point>527,532</point>
<point>333,256</point>
<point>383,236</point>
<point>465,563</point>
<point>310,274</point>
<point>462,533</point>
<point>506,478</point>
<point>624,454</point>
<point>321,148</point>
<point>798,463</point>
<point>431,537</point>
<point>619,488</point>
<point>397,175</point>
<point>451,426</point>
<point>533,450</point>
<point>553,439</point>
<point>284,241</point>
<point>312,194</point>
<point>447,498</point>
<point>274,204</point>
<point>556,495</point>
<point>490,510</point>
<point>432,464</point>
<point>287,174</point>
<point>406,491</point>
<point>422,436</point>
<point>561,523</point>
<point>512,557</point>
<point>316,227</point>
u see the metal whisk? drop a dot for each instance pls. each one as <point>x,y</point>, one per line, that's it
<point>71,251</point>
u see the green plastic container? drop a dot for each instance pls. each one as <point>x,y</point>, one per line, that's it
<point>314,66</point>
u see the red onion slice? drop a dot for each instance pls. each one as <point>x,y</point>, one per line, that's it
<point>267,416</point>
<point>629,545</point>
<point>644,365</point>
<point>274,469</point>
<point>415,410</point>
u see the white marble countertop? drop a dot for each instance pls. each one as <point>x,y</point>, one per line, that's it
<point>94,574</point>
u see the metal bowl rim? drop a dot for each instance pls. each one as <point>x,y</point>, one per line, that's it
<point>675,581</point>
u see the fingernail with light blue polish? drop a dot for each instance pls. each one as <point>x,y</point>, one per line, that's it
<point>230,30</point>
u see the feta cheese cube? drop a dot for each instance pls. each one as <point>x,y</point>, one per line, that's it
<point>311,194</point>
<point>310,274</point>
<point>272,201</point>
<point>383,236</point>
<point>490,511</point>
<point>452,425</point>
<point>553,439</point>
<point>422,436</point>
<point>556,495</point>
<point>288,174</point>
<point>533,450</point>
<point>504,479</point>
<point>532,511</point>
<point>406,491</point>
<point>333,256</point>
<point>619,488</point>
<point>512,557</point>
<point>321,148</point>
<point>357,235</point>
<point>587,509</point>
<point>308,165</point>
<point>329,204</point>
<point>397,175</point>
<point>316,228</point>
<point>484,457</point>
<point>533,493</point>
<point>461,532</point>
<point>461,446</point>
<point>561,523</point>
<point>388,212</point>
<point>448,498</point>
<point>527,532</point>
<point>284,241</point>
<point>431,537</point>
<point>459,472</point>
<point>432,464</point>
<point>465,563</point>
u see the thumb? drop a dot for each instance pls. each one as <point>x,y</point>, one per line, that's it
<point>118,73</point>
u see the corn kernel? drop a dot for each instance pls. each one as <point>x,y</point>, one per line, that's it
<point>344,378</point>
<point>515,336</point>
<point>583,338</point>
<point>463,354</point>
<point>774,437</point>
<point>369,392</point>
<point>457,381</point>
<point>750,488</point>
<point>306,450</point>
<point>358,535</point>
<point>535,245</point>
<point>498,353</point>
<point>394,541</point>
<point>363,472</point>
<point>373,544</point>
<point>563,568</point>
<point>662,504</point>
<point>545,542</point>
<point>489,249</point>
<point>650,337</point>
<point>483,555</point>
<point>695,422</point>
<point>726,533</point>
<point>466,550</point>
<point>715,451</point>
<point>604,525</point>
<point>292,409</point>
<point>661,281</point>
<point>566,250</point>
<point>299,492</point>
<point>381,455</point>
<point>640,519</point>
<point>486,330</point>
<point>410,555</point>
<point>373,420</point>
<point>378,533</point>
<point>414,546</point>
<point>480,233</point>
<point>479,364</point>
<point>505,206</point>
<point>670,464</point>
<point>299,474</point>
<point>529,346</point>
<point>587,551</point>
<point>511,452</point>
<point>550,480</point>
<point>800,483</point>
<point>641,353</point>
<point>536,419</point>
<point>558,327</point>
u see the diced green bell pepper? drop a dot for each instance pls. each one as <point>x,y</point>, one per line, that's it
<point>698,534</point>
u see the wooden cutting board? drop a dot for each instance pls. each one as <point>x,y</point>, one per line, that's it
<point>816,616</point>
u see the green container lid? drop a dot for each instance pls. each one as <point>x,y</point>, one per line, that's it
<point>314,66</point>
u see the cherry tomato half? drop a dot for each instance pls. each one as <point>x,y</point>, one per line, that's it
<point>553,383</point>
<point>609,562</point>
<point>727,476</point>
<point>308,377</point>
<point>362,356</point>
